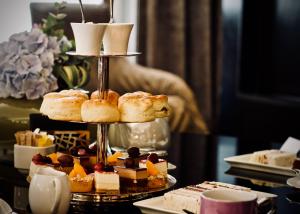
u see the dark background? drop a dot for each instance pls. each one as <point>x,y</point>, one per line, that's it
<point>260,83</point>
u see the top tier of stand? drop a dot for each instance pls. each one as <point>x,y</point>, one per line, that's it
<point>103,54</point>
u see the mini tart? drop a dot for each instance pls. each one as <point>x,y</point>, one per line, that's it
<point>81,184</point>
<point>79,181</point>
<point>66,169</point>
<point>156,181</point>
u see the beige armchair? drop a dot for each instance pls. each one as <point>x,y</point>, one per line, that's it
<point>125,77</point>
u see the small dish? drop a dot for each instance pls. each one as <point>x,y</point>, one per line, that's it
<point>24,154</point>
<point>242,161</point>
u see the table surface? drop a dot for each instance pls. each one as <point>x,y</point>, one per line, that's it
<point>14,190</point>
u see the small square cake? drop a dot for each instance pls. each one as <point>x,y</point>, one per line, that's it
<point>161,166</point>
<point>273,157</point>
<point>134,179</point>
<point>106,179</point>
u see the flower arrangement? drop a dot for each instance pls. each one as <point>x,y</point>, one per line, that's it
<point>26,65</point>
<point>35,63</point>
<point>72,71</point>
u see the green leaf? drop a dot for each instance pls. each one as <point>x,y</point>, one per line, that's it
<point>61,16</point>
<point>65,58</point>
<point>84,77</point>
<point>76,75</point>
<point>61,73</point>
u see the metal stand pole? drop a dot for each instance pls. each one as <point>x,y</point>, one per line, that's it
<point>102,129</point>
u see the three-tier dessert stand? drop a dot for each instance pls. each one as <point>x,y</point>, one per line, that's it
<point>125,194</point>
<point>103,144</point>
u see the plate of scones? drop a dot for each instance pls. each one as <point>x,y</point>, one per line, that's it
<point>110,107</point>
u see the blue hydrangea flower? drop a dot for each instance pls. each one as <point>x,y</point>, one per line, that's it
<point>26,65</point>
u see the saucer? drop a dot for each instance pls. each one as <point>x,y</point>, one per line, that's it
<point>294,182</point>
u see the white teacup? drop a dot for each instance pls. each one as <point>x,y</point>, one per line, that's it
<point>88,37</point>
<point>116,38</point>
<point>49,192</point>
<point>226,201</point>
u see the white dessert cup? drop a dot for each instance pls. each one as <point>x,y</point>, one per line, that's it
<point>23,154</point>
<point>116,38</point>
<point>88,37</point>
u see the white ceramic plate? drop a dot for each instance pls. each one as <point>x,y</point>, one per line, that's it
<point>294,182</point>
<point>242,161</point>
<point>155,205</point>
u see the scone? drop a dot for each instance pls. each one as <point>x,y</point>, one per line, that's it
<point>142,107</point>
<point>161,106</point>
<point>136,107</point>
<point>111,96</point>
<point>64,105</point>
<point>97,110</point>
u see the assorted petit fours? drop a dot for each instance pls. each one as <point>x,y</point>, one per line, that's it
<point>160,164</point>
<point>134,174</point>
<point>134,179</point>
<point>131,152</point>
<point>85,156</point>
<point>62,163</point>
<point>79,180</point>
<point>106,179</point>
<point>113,159</point>
<point>131,175</point>
<point>66,163</point>
<point>156,178</point>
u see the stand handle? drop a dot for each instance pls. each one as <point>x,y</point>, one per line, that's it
<point>111,11</point>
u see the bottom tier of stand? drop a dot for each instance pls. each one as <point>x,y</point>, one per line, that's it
<point>126,194</point>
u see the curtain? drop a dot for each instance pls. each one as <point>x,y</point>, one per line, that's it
<point>184,37</point>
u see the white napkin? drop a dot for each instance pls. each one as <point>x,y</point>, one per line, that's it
<point>291,145</point>
<point>4,207</point>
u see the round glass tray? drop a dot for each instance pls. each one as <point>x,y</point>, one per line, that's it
<point>124,196</point>
<point>103,54</point>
